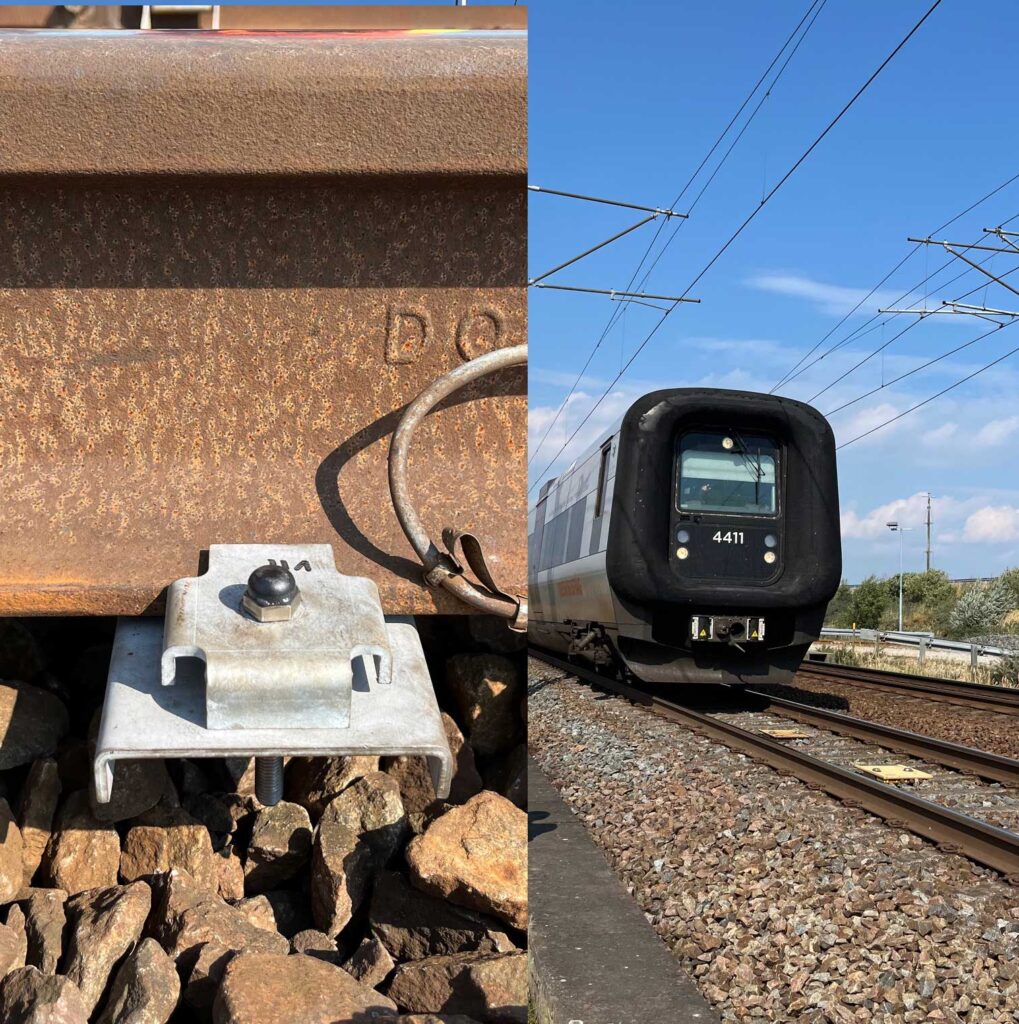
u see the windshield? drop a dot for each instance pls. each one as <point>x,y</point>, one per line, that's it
<point>727,472</point>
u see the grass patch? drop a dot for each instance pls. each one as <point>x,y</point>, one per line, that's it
<point>860,656</point>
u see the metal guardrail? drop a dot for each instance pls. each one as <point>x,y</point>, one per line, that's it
<point>924,641</point>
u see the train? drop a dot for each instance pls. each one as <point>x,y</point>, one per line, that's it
<point>698,541</point>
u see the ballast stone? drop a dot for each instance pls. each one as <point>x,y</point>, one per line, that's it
<point>32,723</point>
<point>261,988</point>
<point>475,855</point>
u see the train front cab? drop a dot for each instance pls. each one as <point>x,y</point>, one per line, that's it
<point>725,531</point>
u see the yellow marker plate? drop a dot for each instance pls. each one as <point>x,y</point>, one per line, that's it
<point>894,772</point>
<point>787,734</point>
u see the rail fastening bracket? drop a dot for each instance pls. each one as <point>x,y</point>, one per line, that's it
<point>309,668</point>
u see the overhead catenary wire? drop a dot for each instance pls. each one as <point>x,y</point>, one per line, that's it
<point>749,219</point>
<point>607,202</point>
<point>792,374</point>
<point>917,369</point>
<point>742,131</point>
<point>885,344</point>
<point>869,327</point>
<point>927,401</point>
<point>617,312</point>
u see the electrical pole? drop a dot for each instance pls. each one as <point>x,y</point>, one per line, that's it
<point>898,528</point>
<point>928,531</point>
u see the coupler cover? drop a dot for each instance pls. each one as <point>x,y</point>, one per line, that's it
<point>728,629</point>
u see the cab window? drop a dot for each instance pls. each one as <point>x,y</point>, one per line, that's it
<point>727,471</point>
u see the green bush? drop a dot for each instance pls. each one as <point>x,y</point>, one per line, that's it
<point>839,612</point>
<point>979,611</point>
<point>1009,580</point>
<point>869,601</point>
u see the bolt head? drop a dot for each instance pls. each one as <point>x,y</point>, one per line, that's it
<point>272,594</point>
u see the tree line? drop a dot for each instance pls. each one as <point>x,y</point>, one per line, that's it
<point>931,602</point>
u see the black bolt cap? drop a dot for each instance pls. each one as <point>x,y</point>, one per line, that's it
<point>272,586</point>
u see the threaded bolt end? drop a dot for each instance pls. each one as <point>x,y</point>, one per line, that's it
<point>269,780</point>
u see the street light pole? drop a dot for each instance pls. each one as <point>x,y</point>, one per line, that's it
<point>900,530</point>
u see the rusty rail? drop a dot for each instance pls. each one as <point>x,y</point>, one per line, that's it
<point>930,748</point>
<point>227,263</point>
<point>1002,699</point>
<point>986,844</point>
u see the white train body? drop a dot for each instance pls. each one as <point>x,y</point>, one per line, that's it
<point>697,541</point>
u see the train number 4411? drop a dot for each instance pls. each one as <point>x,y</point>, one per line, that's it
<point>729,537</point>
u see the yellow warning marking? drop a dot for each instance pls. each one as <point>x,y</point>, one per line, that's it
<point>753,636</point>
<point>893,772</point>
<point>788,734</point>
<point>704,632</point>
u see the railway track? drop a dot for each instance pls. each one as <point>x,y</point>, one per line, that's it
<point>950,828</point>
<point>1000,699</point>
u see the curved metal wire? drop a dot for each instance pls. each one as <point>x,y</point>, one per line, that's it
<point>441,568</point>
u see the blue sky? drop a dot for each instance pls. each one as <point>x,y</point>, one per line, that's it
<point>627,99</point>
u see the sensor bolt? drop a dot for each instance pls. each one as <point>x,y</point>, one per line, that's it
<point>272,594</point>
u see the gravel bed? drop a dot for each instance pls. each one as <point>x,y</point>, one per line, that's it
<point>969,726</point>
<point>782,903</point>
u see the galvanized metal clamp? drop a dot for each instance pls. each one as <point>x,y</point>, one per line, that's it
<point>252,662</point>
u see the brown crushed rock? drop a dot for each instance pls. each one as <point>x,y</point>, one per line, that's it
<point>83,852</point>
<point>229,873</point>
<point>257,910</point>
<point>489,986</point>
<point>359,831</point>
<point>265,989</point>
<point>313,782</point>
<point>487,688</point>
<point>413,925</point>
<point>27,996</point>
<point>45,924</point>
<point>476,855</point>
<point>167,838</point>
<point>13,941</point>
<point>145,989</point>
<point>103,924</point>
<point>41,794</point>
<point>12,856</point>
<point>370,963</point>
<point>279,848</point>
<point>188,915</point>
<point>32,722</point>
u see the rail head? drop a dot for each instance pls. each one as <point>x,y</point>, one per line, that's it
<point>327,104</point>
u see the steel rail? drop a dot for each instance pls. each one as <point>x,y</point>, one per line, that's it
<point>1000,699</point>
<point>954,832</point>
<point>930,748</point>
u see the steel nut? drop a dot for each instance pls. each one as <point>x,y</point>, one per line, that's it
<point>269,612</point>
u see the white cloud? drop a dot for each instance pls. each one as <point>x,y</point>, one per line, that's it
<point>864,419</point>
<point>834,299</point>
<point>938,435</point>
<point>996,431</point>
<point>910,512</point>
<point>611,409</point>
<point>992,524</point>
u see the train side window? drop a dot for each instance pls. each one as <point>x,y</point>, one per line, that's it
<point>603,472</point>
